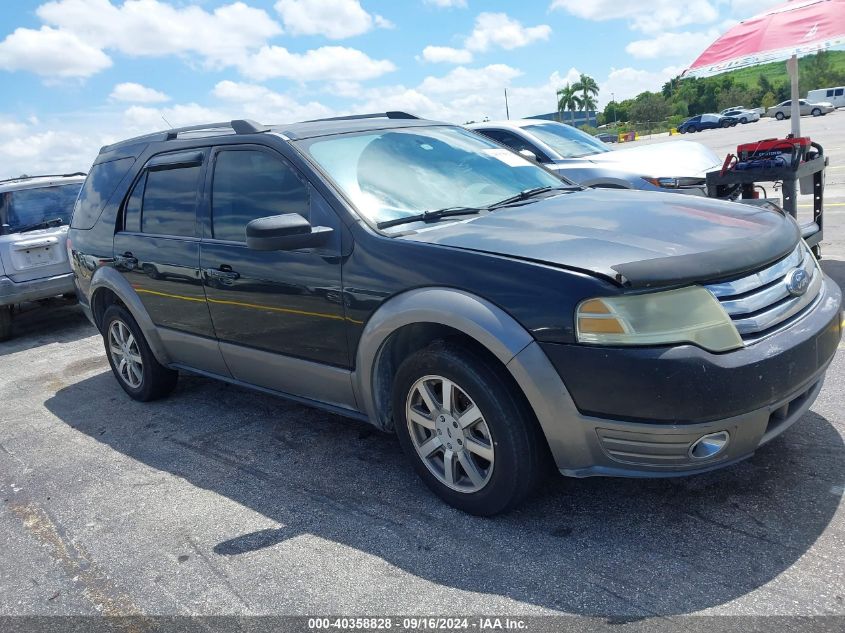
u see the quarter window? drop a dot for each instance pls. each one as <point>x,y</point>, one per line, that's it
<point>251,184</point>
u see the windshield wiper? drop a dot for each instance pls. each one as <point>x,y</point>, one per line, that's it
<point>429,216</point>
<point>44,224</point>
<point>530,193</point>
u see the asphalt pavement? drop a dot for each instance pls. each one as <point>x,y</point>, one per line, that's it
<point>222,501</point>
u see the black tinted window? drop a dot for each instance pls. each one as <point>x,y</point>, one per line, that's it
<point>252,184</point>
<point>170,201</point>
<point>99,186</point>
<point>26,207</point>
<point>132,211</point>
<point>839,92</point>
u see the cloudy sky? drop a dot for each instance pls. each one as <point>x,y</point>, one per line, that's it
<point>81,73</point>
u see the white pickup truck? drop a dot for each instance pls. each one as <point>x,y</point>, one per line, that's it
<point>34,217</point>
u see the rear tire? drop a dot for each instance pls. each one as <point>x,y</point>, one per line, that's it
<point>5,323</point>
<point>816,112</point>
<point>485,431</point>
<point>131,359</point>
<point>743,120</point>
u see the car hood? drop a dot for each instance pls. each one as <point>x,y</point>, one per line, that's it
<point>637,238</point>
<point>678,159</point>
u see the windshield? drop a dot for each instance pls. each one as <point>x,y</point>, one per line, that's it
<point>566,140</point>
<point>391,174</point>
<point>25,207</point>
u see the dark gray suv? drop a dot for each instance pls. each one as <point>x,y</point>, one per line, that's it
<point>425,279</point>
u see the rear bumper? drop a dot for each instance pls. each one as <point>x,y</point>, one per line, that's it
<point>18,292</point>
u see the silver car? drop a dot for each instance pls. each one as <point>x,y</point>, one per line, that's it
<point>744,115</point>
<point>784,110</point>
<point>34,214</point>
<point>679,167</point>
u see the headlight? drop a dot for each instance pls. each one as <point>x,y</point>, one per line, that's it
<point>687,315</point>
<point>675,183</point>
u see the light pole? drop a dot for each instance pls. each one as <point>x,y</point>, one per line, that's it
<point>615,123</point>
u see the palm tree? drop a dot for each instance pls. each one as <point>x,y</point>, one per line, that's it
<point>588,88</point>
<point>568,99</point>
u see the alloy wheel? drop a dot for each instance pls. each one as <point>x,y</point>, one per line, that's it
<point>125,354</point>
<point>450,434</point>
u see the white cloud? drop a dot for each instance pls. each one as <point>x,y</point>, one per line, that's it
<point>469,94</point>
<point>628,82</point>
<point>155,28</point>
<point>51,53</point>
<point>262,104</point>
<point>744,9</point>
<point>686,46</point>
<point>448,4</point>
<point>468,80</point>
<point>329,63</point>
<point>649,16</point>
<point>438,54</point>
<point>136,93</point>
<point>334,19</point>
<point>498,29</point>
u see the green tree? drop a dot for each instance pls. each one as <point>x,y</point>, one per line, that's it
<point>650,107</point>
<point>568,99</point>
<point>768,100</point>
<point>737,96</point>
<point>589,89</point>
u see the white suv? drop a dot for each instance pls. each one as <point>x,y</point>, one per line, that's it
<point>34,214</point>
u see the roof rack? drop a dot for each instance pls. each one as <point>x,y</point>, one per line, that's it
<point>238,126</point>
<point>394,114</point>
<point>76,173</point>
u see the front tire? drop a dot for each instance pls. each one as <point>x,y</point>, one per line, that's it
<point>780,116</point>
<point>5,323</point>
<point>743,120</point>
<point>816,112</point>
<point>131,359</point>
<point>468,431</point>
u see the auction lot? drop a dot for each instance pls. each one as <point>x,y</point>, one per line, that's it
<point>223,501</point>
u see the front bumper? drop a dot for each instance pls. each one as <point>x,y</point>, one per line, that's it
<point>637,412</point>
<point>19,292</point>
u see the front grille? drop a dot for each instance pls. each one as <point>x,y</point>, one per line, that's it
<point>760,304</point>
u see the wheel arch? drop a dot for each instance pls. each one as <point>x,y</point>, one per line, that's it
<point>109,287</point>
<point>415,318</point>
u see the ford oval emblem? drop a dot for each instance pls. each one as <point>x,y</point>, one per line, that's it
<point>797,282</point>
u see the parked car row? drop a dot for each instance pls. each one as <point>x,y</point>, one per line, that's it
<point>497,316</point>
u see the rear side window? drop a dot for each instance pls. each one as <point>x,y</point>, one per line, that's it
<point>169,202</point>
<point>251,184</point>
<point>98,188</point>
<point>829,93</point>
<point>839,92</point>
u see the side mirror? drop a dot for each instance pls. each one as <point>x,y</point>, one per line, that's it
<point>287,232</point>
<point>527,153</point>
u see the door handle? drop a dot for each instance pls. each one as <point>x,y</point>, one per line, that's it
<point>221,273</point>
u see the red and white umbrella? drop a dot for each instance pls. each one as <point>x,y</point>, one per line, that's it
<point>788,31</point>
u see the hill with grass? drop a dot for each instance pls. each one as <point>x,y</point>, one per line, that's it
<point>756,87</point>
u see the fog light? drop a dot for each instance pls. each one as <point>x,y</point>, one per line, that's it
<point>709,445</point>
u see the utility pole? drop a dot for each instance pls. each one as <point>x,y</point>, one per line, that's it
<point>507,109</point>
<point>615,123</point>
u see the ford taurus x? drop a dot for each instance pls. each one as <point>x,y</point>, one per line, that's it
<point>423,278</point>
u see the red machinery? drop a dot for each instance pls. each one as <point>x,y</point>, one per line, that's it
<point>781,160</point>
